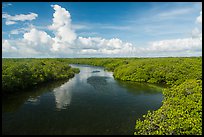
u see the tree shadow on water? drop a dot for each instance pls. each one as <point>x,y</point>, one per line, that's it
<point>98,82</point>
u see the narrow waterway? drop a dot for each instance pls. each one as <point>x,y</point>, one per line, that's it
<point>92,102</point>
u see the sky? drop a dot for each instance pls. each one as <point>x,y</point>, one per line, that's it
<point>101,29</point>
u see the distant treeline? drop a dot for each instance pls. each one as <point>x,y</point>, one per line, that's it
<point>181,112</point>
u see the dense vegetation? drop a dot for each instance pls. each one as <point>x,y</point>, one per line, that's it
<point>19,74</point>
<point>181,112</point>
<point>170,71</point>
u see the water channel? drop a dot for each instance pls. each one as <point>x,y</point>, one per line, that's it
<point>92,102</point>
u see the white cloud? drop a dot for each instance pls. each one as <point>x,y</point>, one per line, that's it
<point>14,32</point>
<point>175,12</point>
<point>196,33</point>
<point>10,20</point>
<point>18,48</point>
<point>37,36</point>
<point>23,17</point>
<point>199,18</point>
<point>65,42</point>
<point>20,30</point>
<point>63,31</point>
<point>186,46</point>
<point>7,47</point>
<point>170,14</point>
<point>40,40</point>
<point>35,43</point>
<point>99,45</point>
<point>176,45</point>
<point>62,25</point>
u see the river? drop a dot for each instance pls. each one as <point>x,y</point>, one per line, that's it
<point>92,102</point>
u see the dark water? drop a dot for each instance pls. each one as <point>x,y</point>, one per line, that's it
<point>90,103</point>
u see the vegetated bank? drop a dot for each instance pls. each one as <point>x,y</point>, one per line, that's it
<point>18,74</point>
<point>181,112</point>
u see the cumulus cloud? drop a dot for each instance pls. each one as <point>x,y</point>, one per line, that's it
<point>66,40</point>
<point>66,43</point>
<point>62,29</point>
<point>197,32</point>
<point>19,31</point>
<point>185,45</point>
<point>7,47</point>
<point>10,20</point>
<point>37,37</point>
<point>35,43</point>
<point>18,48</point>
<point>103,46</point>
<point>38,40</point>
<point>14,32</point>
<point>199,18</point>
<point>176,45</point>
<point>62,25</point>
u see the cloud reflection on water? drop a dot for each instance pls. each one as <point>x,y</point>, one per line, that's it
<point>63,95</point>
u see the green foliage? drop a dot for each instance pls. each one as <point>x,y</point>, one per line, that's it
<point>180,114</point>
<point>171,71</point>
<point>19,74</point>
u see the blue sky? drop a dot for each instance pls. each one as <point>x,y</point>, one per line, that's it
<point>103,29</point>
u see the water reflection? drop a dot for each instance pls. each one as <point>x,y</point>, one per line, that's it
<point>90,99</point>
<point>33,100</point>
<point>140,88</point>
<point>63,94</point>
<point>11,103</point>
<point>87,71</point>
<point>98,82</point>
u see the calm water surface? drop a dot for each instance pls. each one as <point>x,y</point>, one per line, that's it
<point>90,103</point>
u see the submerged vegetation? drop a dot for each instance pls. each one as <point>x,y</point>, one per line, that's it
<point>181,112</point>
